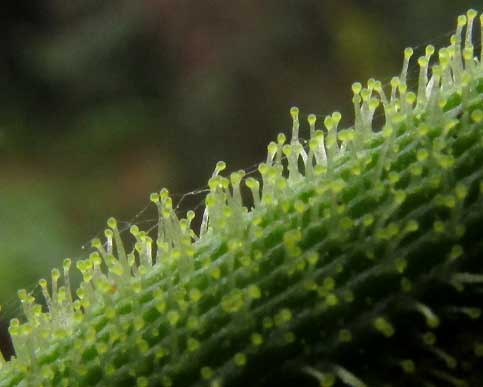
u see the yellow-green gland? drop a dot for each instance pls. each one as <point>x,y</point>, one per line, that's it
<point>361,253</point>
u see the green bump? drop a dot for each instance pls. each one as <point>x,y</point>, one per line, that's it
<point>439,227</point>
<point>367,220</point>
<point>446,161</point>
<point>312,258</point>
<point>328,283</point>
<point>299,206</point>
<point>96,243</point>
<point>233,302</point>
<point>193,344</point>
<point>356,87</point>
<point>477,115</point>
<point>240,359</point>
<point>281,138</point>
<point>456,252</point>
<point>287,150</point>
<point>399,198</point>
<point>220,166</point>
<point>461,20</point>
<point>47,373</point>
<point>160,353</point>
<point>394,177</point>
<point>429,51</point>
<point>291,239</point>
<point>473,313</point>
<point>345,336</point>
<point>422,154</point>
<point>401,265</point>
<point>142,381</point>
<point>406,285</point>
<point>383,326</point>
<point>461,191</point>
<point>432,321</point>
<point>336,116</point>
<point>195,295</point>
<point>289,337</point>
<point>408,52</point>
<point>22,295</point>
<point>412,226</point>
<point>254,292</point>
<point>173,317</point>
<point>429,338</point>
<point>112,223</point>
<point>108,233</point>
<point>348,296</point>
<point>252,183</point>
<point>283,316</point>
<point>154,197</point>
<point>346,223</point>
<point>331,299</point>
<point>55,274</point>
<point>416,169</point>
<point>216,383</point>
<point>256,339</point>
<point>423,61</point>
<point>408,366</point>
<point>267,322</point>
<point>387,131</point>
<point>478,349</point>
<point>311,118</point>
<point>206,373</point>
<point>166,381</point>
<point>67,264</point>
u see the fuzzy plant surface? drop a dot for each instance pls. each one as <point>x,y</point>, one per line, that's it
<point>358,261</point>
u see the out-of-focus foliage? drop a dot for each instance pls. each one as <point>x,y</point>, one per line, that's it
<point>24,258</point>
<point>105,101</point>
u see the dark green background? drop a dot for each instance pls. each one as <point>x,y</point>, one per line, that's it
<point>102,102</point>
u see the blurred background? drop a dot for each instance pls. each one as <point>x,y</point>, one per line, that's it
<point>103,102</point>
